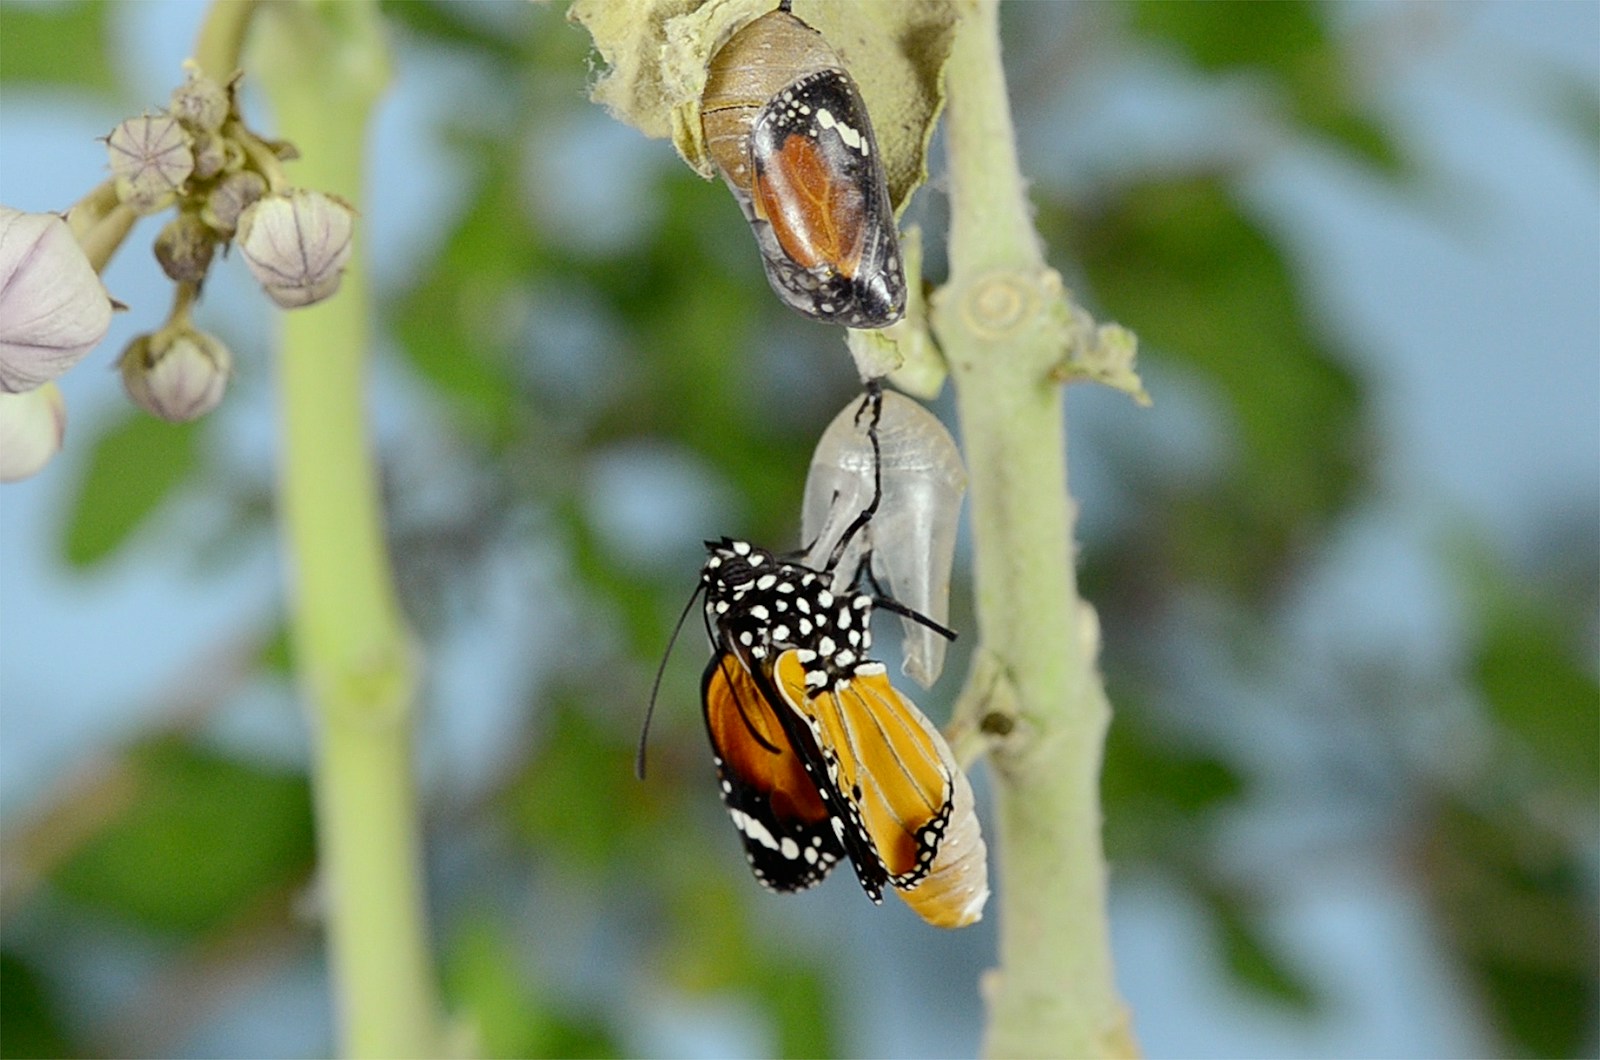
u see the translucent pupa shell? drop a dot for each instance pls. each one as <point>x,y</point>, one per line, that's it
<point>912,536</point>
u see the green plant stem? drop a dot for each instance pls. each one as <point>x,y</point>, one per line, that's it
<point>324,66</point>
<point>1001,321</point>
<point>222,36</point>
<point>102,241</point>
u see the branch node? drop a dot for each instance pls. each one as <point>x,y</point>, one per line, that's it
<point>987,717</point>
<point>1098,353</point>
<point>999,304</point>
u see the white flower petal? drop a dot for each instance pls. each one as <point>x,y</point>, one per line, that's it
<point>32,427</point>
<point>53,307</point>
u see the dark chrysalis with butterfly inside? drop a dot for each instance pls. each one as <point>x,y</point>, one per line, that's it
<point>787,129</point>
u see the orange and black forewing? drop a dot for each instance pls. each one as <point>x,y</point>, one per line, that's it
<point>766,785</point>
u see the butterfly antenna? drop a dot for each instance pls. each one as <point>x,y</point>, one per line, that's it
<point>655,688</point>
<point>874,401</point>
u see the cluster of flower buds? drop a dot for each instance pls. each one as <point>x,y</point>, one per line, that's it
<point>227,185</point>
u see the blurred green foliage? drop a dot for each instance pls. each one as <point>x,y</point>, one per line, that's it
<point>1288,44</point>
<point>695,359</point>
<point>61,45</point>
<point>505,1015</point>
<point>204,838</point>
<point>1183,265</point>
<point>137,462</point>
<point>1515,902</point>
<point>33,1027</point>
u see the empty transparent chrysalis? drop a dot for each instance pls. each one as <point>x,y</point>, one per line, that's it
<point>912,536</point>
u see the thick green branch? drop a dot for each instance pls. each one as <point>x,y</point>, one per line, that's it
<point>323,66</point>
<point>1003,322</point>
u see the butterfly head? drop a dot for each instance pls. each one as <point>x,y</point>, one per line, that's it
<point>761,606</point>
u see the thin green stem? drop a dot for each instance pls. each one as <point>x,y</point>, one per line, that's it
<point>88,211</point>
<point>102,240</point>
<point>324,66</point>
<point>262,159</point>
<point>1035,690</point>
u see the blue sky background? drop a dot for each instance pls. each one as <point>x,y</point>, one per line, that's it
<point>1474,312</point>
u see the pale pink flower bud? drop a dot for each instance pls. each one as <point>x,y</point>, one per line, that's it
<point>53,308</point>
<point>297,245</point>
<point>211,155</point>
<point>177,374</point>
<point>184,248</point>
<point>32,427</point>
<point>151,157</point>
<point>200,103</point>
<point>232,195</point>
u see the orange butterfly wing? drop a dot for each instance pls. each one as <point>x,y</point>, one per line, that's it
<point>776,805</point>
<point>905,795</point>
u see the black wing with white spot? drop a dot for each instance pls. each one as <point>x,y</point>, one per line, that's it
<point>766,781</point>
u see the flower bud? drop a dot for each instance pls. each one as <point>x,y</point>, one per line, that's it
<point>184,248</point>
<point>296,245</point>
<point>178,374</point>
<point>151,157</point>
<point>210,155</point>
<point>53,308</point>
<point>32,427</point>
<point>230,198</point>
<point>200,103</point>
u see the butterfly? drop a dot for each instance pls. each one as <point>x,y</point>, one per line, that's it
<point>818,756</point>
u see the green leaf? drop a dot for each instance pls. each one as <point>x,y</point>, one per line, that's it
<point>1158,796</point>
<point>135,465</point>
<point>1518,907</point>
<point>484,984</point>
<point>1287,43</point>
<point>481,981</point>
<point>1252,961</point>
<point>799,1000</point>
<point>1230,33</point>
<point>579,801</point>
<point>276,655</point>
<point>448,23</point>
<point>205,837</point>
<point>1139,769</point>
<point>1573,102</point>
<point>1528,660</point>
<point>65,44</point>
<point>717,945</point>
<point>1538,691</point>
<point>32,1022</point>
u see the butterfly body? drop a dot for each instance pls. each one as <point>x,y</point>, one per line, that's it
<point>764,605</point>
